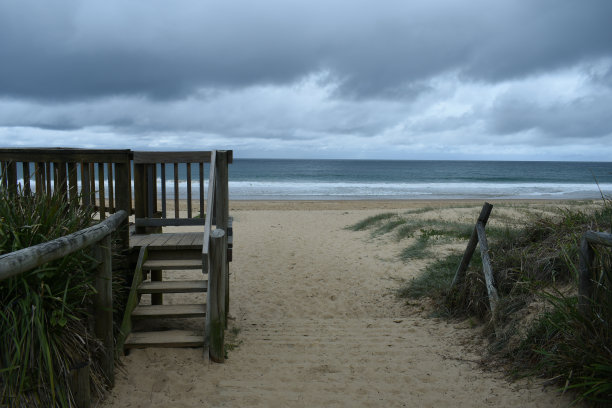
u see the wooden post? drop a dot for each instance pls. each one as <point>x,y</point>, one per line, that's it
<point>86,197</point>
<point>103,306</point>
<point>101,195</point>
<point>11,177</point>
<point>79,385</point>
<point>222,204</point>
<point>469,251</point>
<point>39,170</point>
<point>72,179</point>
<point>215,305</point>
<point>27,189</point>
<point>123,199</point>
<point>486,267</point>
<point>140,193</point>
<point>61,182</point>
<point>585,282</point>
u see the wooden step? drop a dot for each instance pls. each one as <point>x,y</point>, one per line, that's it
<point>168,311</point>
<point>190,286</point>
<point>167,338</point>
<point>171,264</point>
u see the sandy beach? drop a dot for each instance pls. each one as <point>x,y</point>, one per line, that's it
<point>315,323</point>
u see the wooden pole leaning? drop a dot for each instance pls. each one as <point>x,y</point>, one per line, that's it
<point>486,267</point>
<point>215,306</point>
<point>471,247</point>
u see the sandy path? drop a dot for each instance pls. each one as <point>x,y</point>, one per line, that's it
<point>319,328</point>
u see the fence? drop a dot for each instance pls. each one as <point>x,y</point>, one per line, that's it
<point>588,280</point>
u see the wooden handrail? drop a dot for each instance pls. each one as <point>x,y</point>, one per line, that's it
<point>210,200</point>
<point>26,259</point>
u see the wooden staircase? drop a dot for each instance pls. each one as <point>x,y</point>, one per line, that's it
<point>148,324</point>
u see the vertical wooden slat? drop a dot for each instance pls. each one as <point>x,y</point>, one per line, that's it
<point>103,307</point>
<point>189,204</point>
<point>123,200</point>
<point>102,205</point>
<point>39,170</point>
<point>111,190</point>
<point>79,385</point>
<point>4,175</point>
<point>150,190</point>
<point>585,276</point>
<point>176,191</point>
<point>61,182</point>
<point>201,171</point>
<point>92,183</point>
<point>72,180</point>
<point>26,178</point>
<point>221,192</point>
<point>11,175</point>
<point>48,177</point>
<point>154,189</point>
<point>163,189</point>
<point>85,193</point>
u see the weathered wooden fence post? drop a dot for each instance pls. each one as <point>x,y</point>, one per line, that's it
<point>469,251</point>
<point>79,385</point>
<point>486,267</point>
<point>215,306</point>
<point>103,306</point>
<point>222,205</point>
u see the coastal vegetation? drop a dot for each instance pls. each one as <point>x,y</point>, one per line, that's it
<point>45,316</point>
<point>537,328</point>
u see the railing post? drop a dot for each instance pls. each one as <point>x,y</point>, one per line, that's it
<point>215,305</point>
<point>222,213</point>
<point>123,198</point>
<point>103,306</point>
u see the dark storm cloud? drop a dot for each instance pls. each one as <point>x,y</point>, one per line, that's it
<point>81,50</point>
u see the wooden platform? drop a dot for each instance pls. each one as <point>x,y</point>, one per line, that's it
<point>170,338</point>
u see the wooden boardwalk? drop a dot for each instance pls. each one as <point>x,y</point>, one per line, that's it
<point>170,241</point>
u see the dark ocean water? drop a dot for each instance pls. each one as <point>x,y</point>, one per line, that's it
<point>378,179</point>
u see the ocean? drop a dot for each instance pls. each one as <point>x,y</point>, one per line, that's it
<point>273,179</point>
<point>276,179</point>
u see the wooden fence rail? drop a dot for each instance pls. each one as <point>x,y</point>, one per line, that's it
<point>479,237</point>
<point>588,278</point>
<point>26,259</point>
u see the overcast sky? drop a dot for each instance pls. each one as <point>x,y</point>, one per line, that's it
<point>388,79</point>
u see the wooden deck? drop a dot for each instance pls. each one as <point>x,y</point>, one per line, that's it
<point>170,241</point>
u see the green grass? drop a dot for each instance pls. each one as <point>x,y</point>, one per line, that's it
<point>371,221</point>
<point>44,328</point>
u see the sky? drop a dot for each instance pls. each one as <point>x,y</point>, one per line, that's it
<point>384,79</point>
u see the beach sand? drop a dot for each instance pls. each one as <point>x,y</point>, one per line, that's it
<point>319,326</point>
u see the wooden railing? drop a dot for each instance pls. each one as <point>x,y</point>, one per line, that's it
<point>99,178</point>
<point>98,236</point>
<point>214,257</point>
<point>590,278</point>
<point>149,197</point>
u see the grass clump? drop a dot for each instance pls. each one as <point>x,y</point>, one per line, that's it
<point>44,328</point>
<point>371,221</point>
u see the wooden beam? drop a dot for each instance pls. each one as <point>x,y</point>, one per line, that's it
<point>172,157</point>
<point>68,155</point>
<point>486,267</point>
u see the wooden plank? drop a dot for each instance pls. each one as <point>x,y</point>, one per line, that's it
<point>222,192</point>
<point>61,154</point>
<point>132,300</point>
<point>78,381</point>
<point>469,251</point>
<point>62,179</point>
<point>123,200</point>
<point>165,222</point>
<point>85,196</point>
<point>140,194</point>
<point>190,286</point>
<point>92,181</point>
<point>39,169</point>
<point>111,189</point>
<point>103,306</point>
<point>167,338</point>
<point>214,331</point>
<point>599,238</point>
<point>209,211</point>
<point>169,311</point>
<point>163,189</point>
<point>189,203</point>
<point>172,157</point>
<point>25,169</point>
<point>101,195</point>
<point>49,177</point>
<point>585,276</point>
<point>486,267</point>
<point>176,191</point>
<point>73,182</point>
<point>173,264</point>
<point>150,190</point>
<point>201,172</point>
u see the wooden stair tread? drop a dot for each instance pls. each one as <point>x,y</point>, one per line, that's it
<point>166,264</point>
<point>167,338</point>
<point>186,286</point>
<point>153,311</point>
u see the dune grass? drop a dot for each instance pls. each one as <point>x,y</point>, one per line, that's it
<point>44,329</point>
<point>535,262</point>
